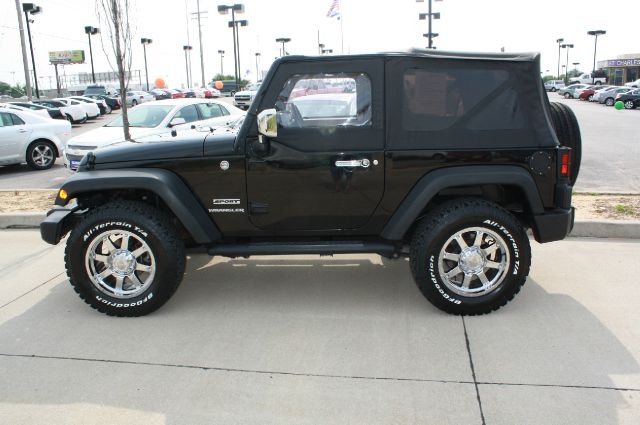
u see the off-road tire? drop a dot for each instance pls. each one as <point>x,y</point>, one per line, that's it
<point>147,223</point>
<point>38,149</point>
<point>568,132</point>
<point>438,226</point>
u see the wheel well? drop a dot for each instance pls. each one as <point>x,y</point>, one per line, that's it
<point>89,200</point>
<point>510,197</point>
<point>55,148</point>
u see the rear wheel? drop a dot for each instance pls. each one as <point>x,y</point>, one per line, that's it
<point>568,132</point>
<point>609,101</point>
<point>134,103</point>
<point>567,95</point>
<point>590,98</point>
<point>469,256</point>
<point>125,259</point>
<point>41,155</point>
<point>553,89</point>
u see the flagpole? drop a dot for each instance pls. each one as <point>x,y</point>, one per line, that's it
<point>341,33</point>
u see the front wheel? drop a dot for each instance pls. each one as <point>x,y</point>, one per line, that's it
<point>567,95</point>
<point>125,258</point>
<point>553,89</point>
<point>134,103</point>
<point>629,104</point>
<point>469,256</point>
<point>41,155</point>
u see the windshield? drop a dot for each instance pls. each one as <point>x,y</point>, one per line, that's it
<point>253,87</point>
<point>144,116</point>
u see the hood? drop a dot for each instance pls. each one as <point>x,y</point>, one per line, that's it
<point>147,150</point>
<point>105,136</point>
<point>246,93</point>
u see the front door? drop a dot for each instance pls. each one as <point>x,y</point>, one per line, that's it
<point>324,171</point>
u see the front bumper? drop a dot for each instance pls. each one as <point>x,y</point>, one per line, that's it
<point>58,222</point>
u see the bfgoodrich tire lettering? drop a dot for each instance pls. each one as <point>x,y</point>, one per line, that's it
<point>494,244</point>
<point>125,259</point>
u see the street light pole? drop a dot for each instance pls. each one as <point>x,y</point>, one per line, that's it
<point>186,62</point>
<point>595,33</point>
<point>223,10</point>
<point>89,30</point>
<point>257,67</point>
<point>23,45</point>
<point>221,52</point>
<point>283,40</point>
<point>30,8</point>
<point>575,67</point>
<point>144,42</point>
<point>559,41</point>
<point>566,75</point>
<point>429,16</point>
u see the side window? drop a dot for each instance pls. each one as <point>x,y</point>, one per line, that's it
<point>5,120</point>
<point>189,113</point>
<point>224,110</point>
<point>209,110</point>
<point>435,99</point>
<point>16,120</point>
<point>325,100</point>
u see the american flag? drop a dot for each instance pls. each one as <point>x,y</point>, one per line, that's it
<point>334,10</point>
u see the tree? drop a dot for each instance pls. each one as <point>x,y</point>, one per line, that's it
<point>13,91</point>
<point>115,16</point>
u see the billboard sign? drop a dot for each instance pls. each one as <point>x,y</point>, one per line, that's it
<point>66,57</point>
<point>619,63</point>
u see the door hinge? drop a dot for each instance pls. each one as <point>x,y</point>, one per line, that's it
<point>258,208</point>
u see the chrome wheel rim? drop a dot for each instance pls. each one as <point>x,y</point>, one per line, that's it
<point>42,155</point>
<point>628,104</point>
<point>474,262</point>
<point>120,264</point>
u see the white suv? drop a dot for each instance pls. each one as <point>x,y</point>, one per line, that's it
<point>554,85</point>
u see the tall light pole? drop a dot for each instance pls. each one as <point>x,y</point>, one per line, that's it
<point>23,45</point>
<point>566,74</point>
<point>257,67</point>
<point>144,42</point>
<point>221,52</point>
<point>595,33</point>
<point>30,8</point>
<point>89,30</point>
<point>200,35</point>
<point>283,40</point>
<point>238,24</point>
<point>235,8</point>
<point>186,62</point>
<point>429,16</point>
<point>559,41</point>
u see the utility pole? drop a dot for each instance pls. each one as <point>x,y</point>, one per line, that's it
<point>200,35</point>
<point>25,61</point>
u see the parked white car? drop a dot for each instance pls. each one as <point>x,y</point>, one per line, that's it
<point>91,110</point>
<point>102,105</point>
<point>27,137</point>
<point>243,99</point>
<point>137,97</point>
<point>153,118</point>
<point>40,112</point>
<point>74,113</point>
<point>633,84</point>
<point>554,85</point>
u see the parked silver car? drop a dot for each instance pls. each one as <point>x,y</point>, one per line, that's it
<point>608,97</point>
<point>136,97</point>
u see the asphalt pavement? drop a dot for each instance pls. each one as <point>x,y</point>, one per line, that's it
<point>309,340</point>
<point>611,148</point>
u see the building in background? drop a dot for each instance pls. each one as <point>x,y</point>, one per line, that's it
<point>623,69</point>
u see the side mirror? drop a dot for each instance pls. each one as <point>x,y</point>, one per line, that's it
<point>177,121</point>
<point>268,123</point>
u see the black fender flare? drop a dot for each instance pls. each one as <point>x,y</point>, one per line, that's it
<point>431,183</point>
<point>167,185</point>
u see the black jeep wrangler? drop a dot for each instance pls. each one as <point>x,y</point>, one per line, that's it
<point>444,158</point>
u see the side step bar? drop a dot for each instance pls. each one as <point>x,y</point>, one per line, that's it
<point>290,248</point>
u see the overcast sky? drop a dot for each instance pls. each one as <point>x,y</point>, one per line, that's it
<point>369,26</point>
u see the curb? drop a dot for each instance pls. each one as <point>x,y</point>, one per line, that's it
<point>581,229</point>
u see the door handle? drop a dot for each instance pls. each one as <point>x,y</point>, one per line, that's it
<point>364,163</point>
<point>22,131</point>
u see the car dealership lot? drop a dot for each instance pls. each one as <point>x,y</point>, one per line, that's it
<point>345,339</point>
<point>611,146</point>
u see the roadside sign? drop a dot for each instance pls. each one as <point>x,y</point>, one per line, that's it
<point>66,57</point>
